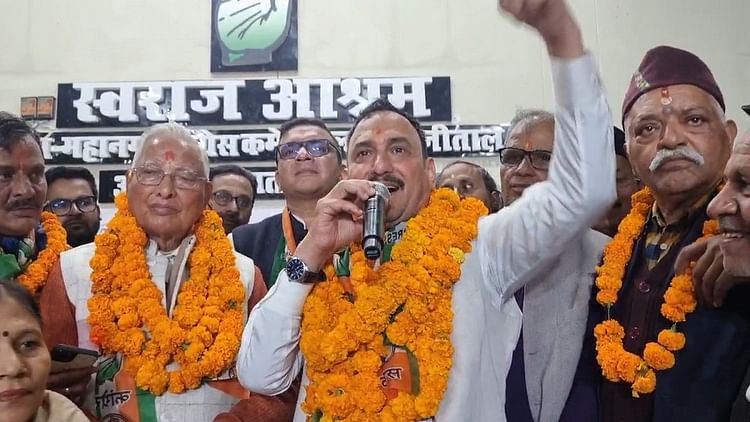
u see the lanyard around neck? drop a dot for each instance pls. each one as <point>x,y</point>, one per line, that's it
<point>286,224</point>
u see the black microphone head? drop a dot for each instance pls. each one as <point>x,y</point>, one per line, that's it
<point>372,247</point>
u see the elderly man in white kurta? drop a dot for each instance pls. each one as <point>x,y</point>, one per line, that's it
<point>162,292</point>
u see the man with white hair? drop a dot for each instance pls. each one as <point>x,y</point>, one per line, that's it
<point>161,292</point>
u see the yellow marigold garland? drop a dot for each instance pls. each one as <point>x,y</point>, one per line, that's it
<point>679,300</point>
<point>35,275</point>
<point>343,341</point>
<point>127,315</point>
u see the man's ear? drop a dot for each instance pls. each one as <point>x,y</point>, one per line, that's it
<point>208,189</point>
<point>129,178</point>
<point>731,128</point>
<point>495,201</point>
<point>431,172</point>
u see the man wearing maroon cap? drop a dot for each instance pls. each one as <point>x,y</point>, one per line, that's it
<point>678,141</point>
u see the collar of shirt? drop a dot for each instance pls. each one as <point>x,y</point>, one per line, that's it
<point>298,220</point>
<point>152,249</point>
<point>658,218</point>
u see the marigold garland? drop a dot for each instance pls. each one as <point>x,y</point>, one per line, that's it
<point>407,302</point>
<point>127,315</point>
<point>35,275</point>
<point>679,300</point>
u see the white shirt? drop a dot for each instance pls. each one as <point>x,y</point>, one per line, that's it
<point>513,246</point>
<point>198,405</point>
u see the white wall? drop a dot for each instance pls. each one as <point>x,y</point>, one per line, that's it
<point>496,66</point>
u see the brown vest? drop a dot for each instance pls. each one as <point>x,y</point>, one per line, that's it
<point>58,314</point>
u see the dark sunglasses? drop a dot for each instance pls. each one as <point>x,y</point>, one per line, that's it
<point>62,207</point>
<point>314,147</point>
<point>224,198</point>
<point>539,158</point>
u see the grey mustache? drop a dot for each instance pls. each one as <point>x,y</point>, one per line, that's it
<point>683,151</point>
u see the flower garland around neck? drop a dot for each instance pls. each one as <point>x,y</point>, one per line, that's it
<point>406,302</point>
<point>127,315</point>
<point>36,274</point>
<point>619,365</point>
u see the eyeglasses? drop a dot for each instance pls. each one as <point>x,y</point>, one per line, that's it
<point>314,147</point>
<point>224,198</point>
<point>62,207</point>
<point>182,178</point>
<point>539,158</point>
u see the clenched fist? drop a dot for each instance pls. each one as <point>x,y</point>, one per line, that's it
<point>553,21</point>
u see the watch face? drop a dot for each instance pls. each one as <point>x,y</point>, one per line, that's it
<point>295,269</point>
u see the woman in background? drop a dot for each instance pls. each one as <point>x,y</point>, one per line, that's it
<point>25,363</point>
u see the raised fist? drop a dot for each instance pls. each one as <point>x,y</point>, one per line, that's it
<point>553,21</point>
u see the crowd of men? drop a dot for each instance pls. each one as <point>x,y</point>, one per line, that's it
<point>570,304</point>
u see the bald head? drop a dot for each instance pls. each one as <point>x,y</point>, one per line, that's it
<point>176,135</point>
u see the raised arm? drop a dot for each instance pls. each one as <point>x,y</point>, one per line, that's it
<point>528,235</point>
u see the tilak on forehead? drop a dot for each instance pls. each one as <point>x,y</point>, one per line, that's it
<point>665,66</point>
<point>169,155</point>
<point>666,99</point>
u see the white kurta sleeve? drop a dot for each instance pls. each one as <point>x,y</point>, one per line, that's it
<point>269,359</point>
<point>529,234</point>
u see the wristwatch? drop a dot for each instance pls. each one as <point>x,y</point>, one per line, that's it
<point>299,272</point>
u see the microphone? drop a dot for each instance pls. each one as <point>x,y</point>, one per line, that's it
<point>374,222</point>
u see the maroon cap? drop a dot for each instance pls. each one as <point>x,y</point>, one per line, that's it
<point>664,66</point>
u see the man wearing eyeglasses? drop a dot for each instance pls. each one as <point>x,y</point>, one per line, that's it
<point>71,196</point>
<point>161,292</point>
<point>525,161</point>
<point>527,153</point>
<point>308,165</point>
<point>233,195</point>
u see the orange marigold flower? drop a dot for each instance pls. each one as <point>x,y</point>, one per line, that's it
<point>607,355</point>
<point>608,283</point>
<point>671,340</point>
<point>36,274</point>
<point>644,384</point>
<point>683,283</point>
<point>673,313</point>
<point>710,228</point>
<point>609,329</point>
<point>657,357</point>
<point>606,297</point>
<point>628,365</point>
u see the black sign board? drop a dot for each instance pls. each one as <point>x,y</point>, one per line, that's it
<point>246,102</point>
